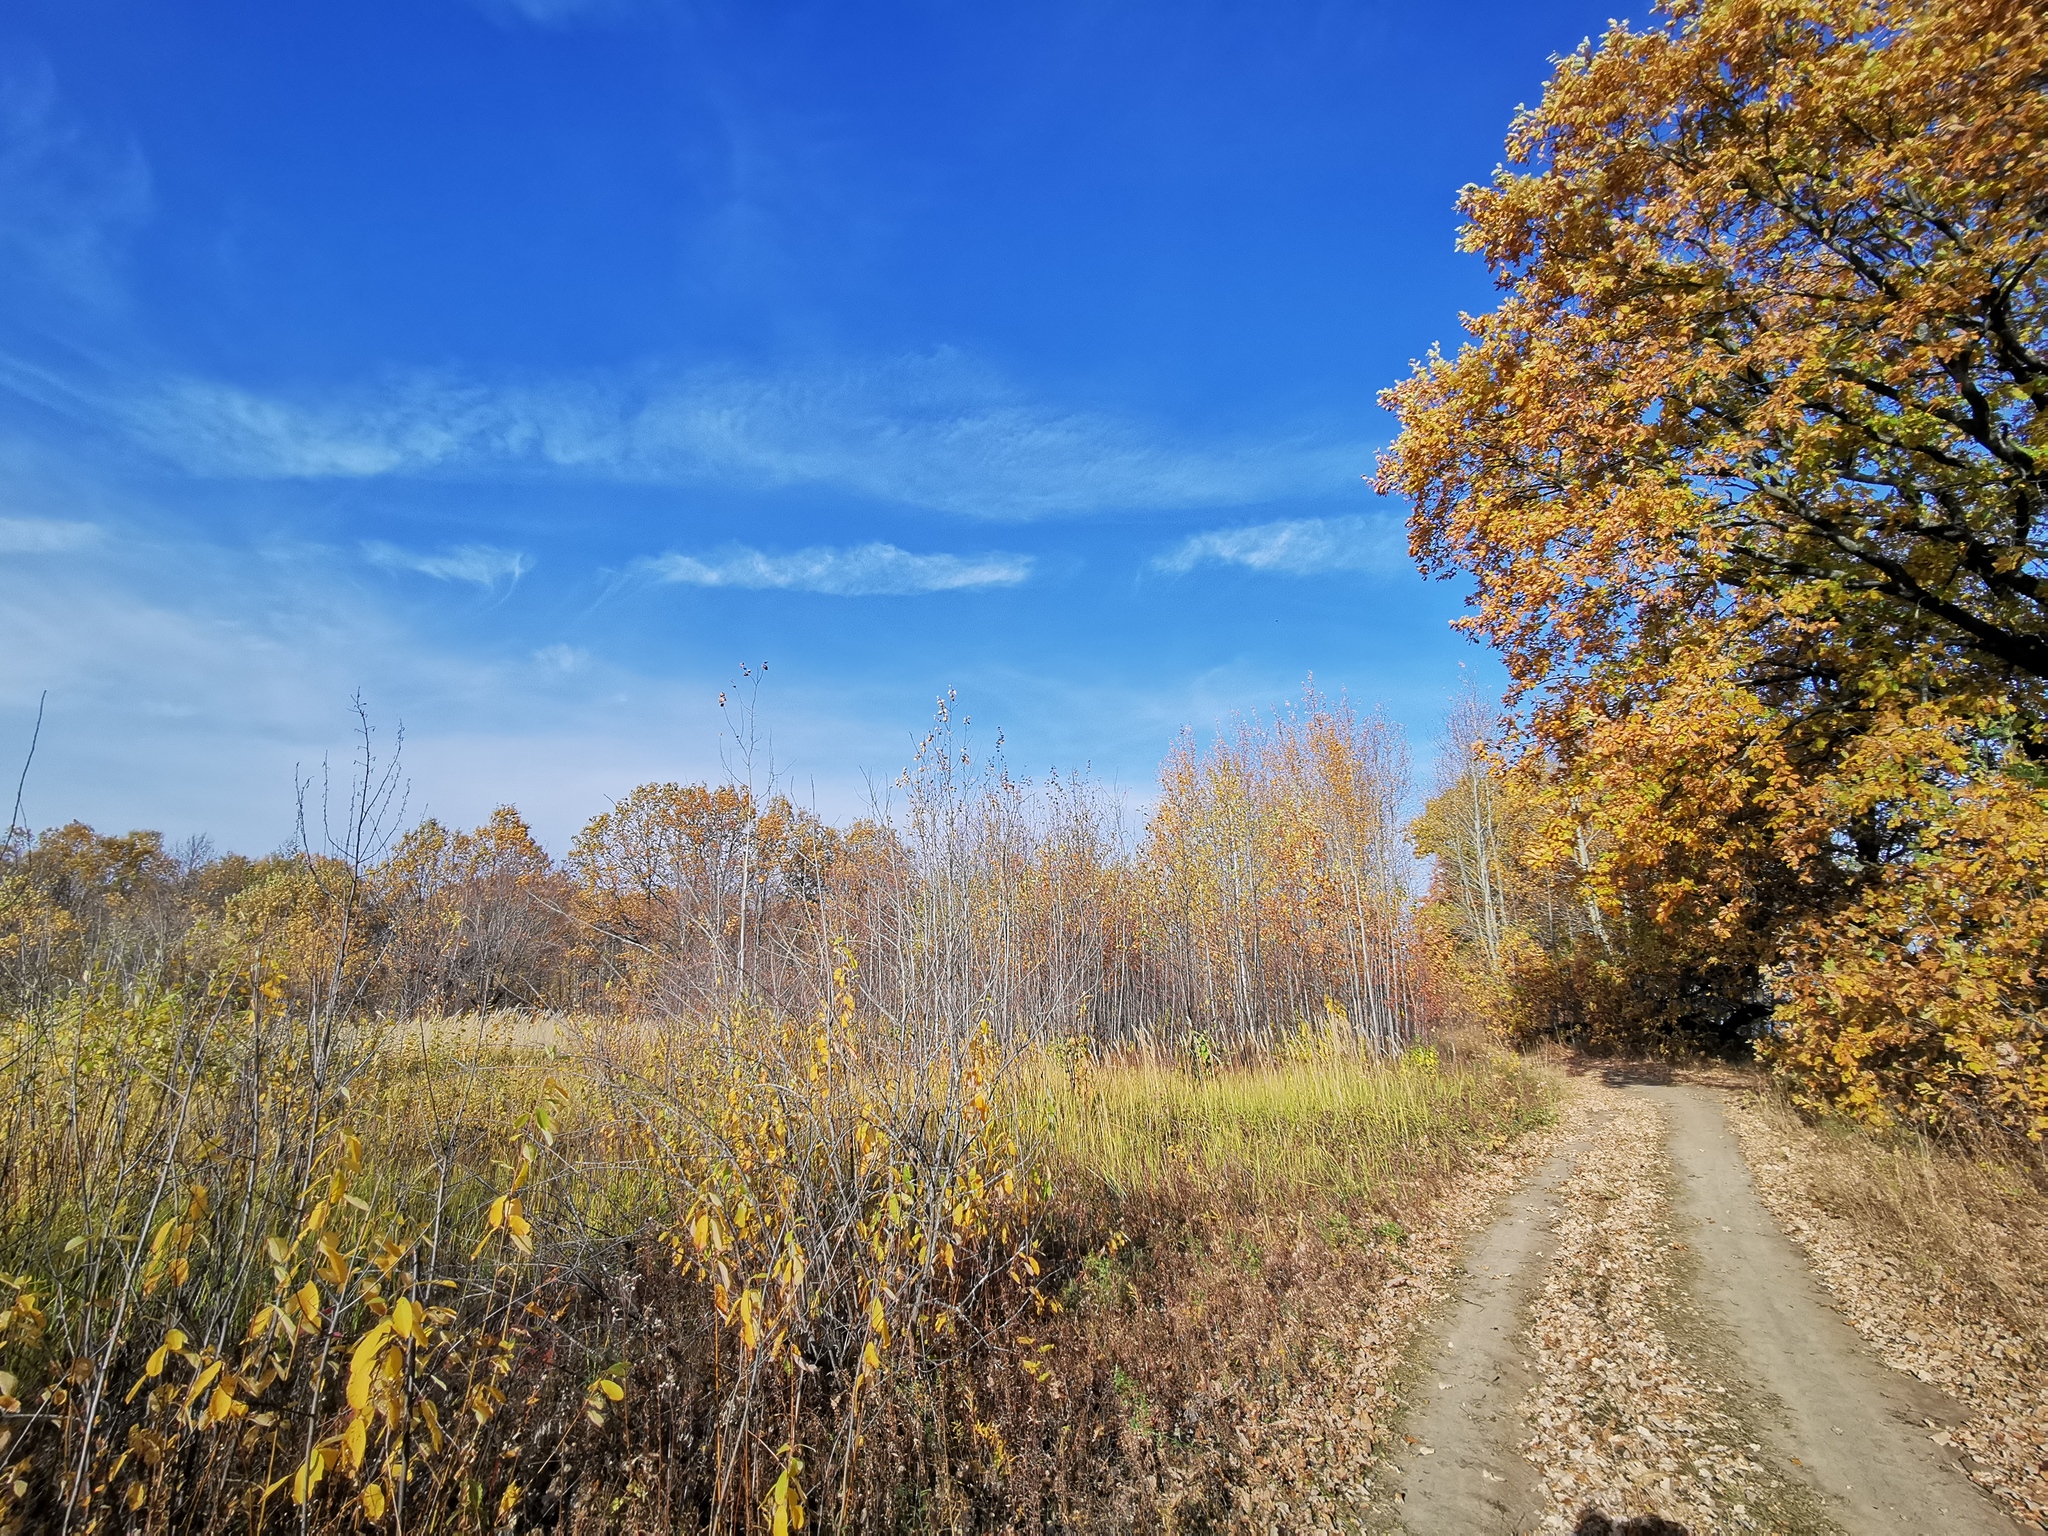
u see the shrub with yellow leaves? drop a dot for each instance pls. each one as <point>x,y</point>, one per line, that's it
<point>227,1303</point>
<point>858,1215</point>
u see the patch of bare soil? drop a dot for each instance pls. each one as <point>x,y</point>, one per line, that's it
<point>1457,1465</point>
<point>1936,1262</point>
<point>1620,1419</point>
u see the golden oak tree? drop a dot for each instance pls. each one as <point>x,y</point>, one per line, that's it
<point>1748,467</point>
<point>472,919</point>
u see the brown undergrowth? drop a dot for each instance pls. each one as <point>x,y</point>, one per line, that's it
<point>1934,1254</point>
<point>1238,1367</point>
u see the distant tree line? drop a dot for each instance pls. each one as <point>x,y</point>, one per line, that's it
<point>1269,890</point>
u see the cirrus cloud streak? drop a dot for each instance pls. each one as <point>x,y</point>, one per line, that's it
<point>863,570</point>
<point>1307,546</point>
<point>45,536</point>
<point>484,564</point>
<point>931,430</point>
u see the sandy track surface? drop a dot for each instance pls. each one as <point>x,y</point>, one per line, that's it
<point>1635,1333</point>
<point>1467,1471</point>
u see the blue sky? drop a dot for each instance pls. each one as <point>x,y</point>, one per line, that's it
<point>531,365</point>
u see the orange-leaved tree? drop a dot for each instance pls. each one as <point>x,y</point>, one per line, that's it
<point>1748,467</point>
<point>695,890</point>
<point>473,919</point>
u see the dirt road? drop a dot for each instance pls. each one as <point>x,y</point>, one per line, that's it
<point>1635,1333</point>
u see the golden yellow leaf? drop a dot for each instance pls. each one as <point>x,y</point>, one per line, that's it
<point>432,1415</point>
<point>201,1382</point>
<point>355,1441</point>
<point>362,1362</point>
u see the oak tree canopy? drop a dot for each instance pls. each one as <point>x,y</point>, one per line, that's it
<point>1748,469</point>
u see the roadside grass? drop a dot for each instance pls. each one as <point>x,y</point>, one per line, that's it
<point>1967,1217</point>
<point>1239,1242</point>
<point>1933,1251</point>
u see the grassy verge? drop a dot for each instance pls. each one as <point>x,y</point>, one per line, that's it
<point>1235,1319</point>
<point>1934,1253</point>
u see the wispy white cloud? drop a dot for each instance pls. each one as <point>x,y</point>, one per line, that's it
<point>864,570</point>
<point>484,564</point>
<point>1308,546</point>
<point>67,199</point>
<point>218,429</point>
<point>188,683</point>
<point>931,431</point>
<point>562,659</point>
<point>44,536</point>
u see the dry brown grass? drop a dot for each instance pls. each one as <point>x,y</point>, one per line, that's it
<point>1934,1253</point>
<point>1971,1222</point>
<point>1237,1366</point>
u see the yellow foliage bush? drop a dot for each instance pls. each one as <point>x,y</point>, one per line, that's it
<point>1924,999</point>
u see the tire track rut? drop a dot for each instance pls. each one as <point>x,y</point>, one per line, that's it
<point>1635,1333</point>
